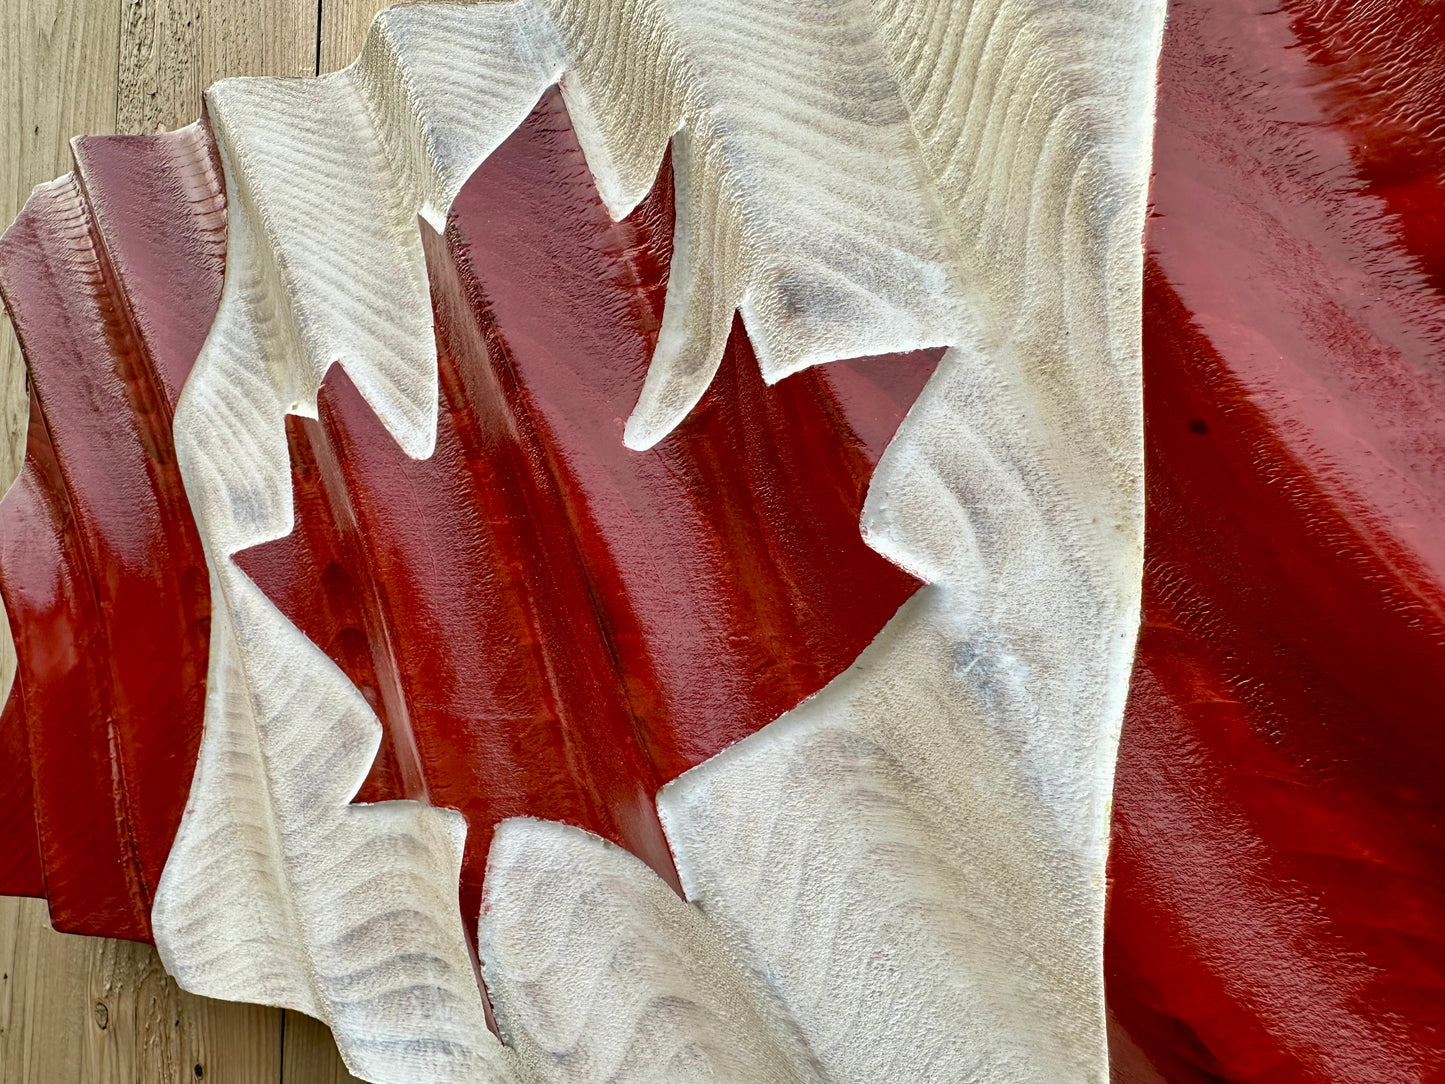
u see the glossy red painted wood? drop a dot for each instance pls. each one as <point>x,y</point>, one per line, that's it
<point>1278,868</point>
<point>112,277</point>
<point>548,623</point>
<point>21,873</point>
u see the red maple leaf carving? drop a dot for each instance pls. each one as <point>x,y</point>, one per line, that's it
<point>546,622</point>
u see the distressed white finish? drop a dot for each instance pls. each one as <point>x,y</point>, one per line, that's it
<point>599,972</point>
<point>901,880</point>
<point>277,890</point>
<point>944,805</point>
<point>802,200</point>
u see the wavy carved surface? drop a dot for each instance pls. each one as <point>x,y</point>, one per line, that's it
<point>547,623</point>
<point>851,180</point>
<point>842,421</point>
<point>913,846</point>
<point>1279,864</point>
<point>1009,488</point>
<point>111,276</point>
<point>664,998</point>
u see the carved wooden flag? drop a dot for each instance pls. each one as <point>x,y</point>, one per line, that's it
<point>686,584</point>
<point>548,623</point>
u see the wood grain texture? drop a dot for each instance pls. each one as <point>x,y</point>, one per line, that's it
<point>675,1008</point>
<point>982,188</point>
<point>171,50</point>
<point>74,67</point>
<point>1278,860</point>
<point>562,683</point>
<point>853,178</point>
<point>958,776</point>
<point>59,79</point>
<point>14,407</point>
<point>105,1012</point>
<point>309,1055</point>
<point>75,569</point>
<point>344,24</point>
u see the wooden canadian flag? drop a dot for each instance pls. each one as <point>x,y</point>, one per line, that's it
<point>606,542</point>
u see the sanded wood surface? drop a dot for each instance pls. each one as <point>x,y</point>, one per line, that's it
<point>343,30</point>
<point>87,1010</point>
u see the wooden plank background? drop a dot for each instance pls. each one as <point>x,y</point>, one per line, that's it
<point>78,1010</point>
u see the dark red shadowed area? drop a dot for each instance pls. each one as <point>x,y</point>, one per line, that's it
<point>112,277</point>
<point>1277,909</point>
<point>547,623</point>
<point>21,873</point>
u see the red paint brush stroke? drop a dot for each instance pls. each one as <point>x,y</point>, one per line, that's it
<point>112,277</point>
<point>1278,869</point>
<point>548,623</point>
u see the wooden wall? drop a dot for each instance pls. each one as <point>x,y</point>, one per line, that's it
<point>77,1010</point>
